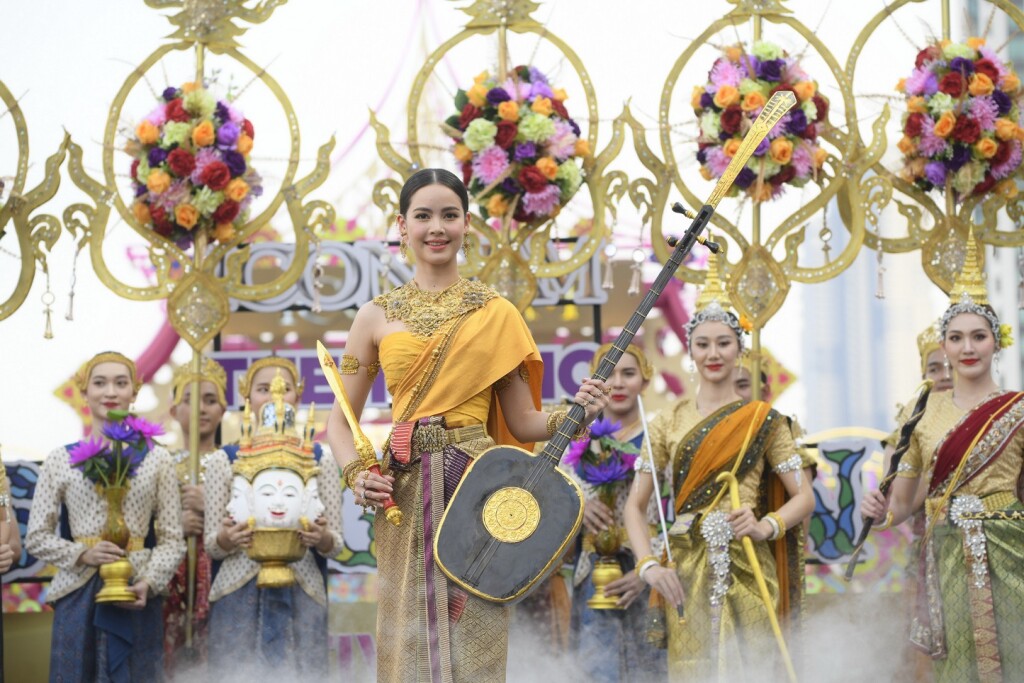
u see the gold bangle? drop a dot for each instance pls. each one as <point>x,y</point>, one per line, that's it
<point>886,524</point>
<point>555,421</point>
<point>351,471</point>
<point>778,520</point>
<point>644,560</point>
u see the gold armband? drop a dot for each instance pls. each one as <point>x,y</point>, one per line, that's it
<point>350,366</point>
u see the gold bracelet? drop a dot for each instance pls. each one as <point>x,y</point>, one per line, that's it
<point>644,560</point>
<point>555,421</point>
<point>351,471</point>
<point>886,524</point>
<point>778,520</point>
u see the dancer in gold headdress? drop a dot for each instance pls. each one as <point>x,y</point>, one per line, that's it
<point>726,634</point>
<point>102,641</point>
<point>212,403</point>
<point>964,464</point>
<point>465,373</point>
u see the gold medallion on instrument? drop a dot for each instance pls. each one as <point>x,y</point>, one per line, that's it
<point>511,514</point>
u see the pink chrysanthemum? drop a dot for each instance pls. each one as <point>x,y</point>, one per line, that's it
<point>921,82</point>
<point>177,193</point>
<point>158,116</point>
<point>993,57</point>
<point>518,90</point>
<point>802,160</point>
<point>985,111</point>
<point>562,144</point>
<point>725,72</point>
<point>1010,165</point>
<point>490,163</point>
<point>794,73</point>
<point>931,144</point>
<point>717,161</point>
<point>781,127</point>
<point>542,203</point>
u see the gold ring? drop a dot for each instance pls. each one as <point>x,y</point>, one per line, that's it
<point>592,401</point>
<point>607,390</point>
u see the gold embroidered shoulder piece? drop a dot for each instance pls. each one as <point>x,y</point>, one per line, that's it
<point>425,313</point>
<point>350,366</point>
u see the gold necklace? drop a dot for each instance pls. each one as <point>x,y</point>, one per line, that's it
<point>424,313</point>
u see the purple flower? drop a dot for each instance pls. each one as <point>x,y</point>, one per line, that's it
<point>717,162</point>
<point>498,95</point>
<point>985,111</point>
<point>702,156</point>
<point>604,427</point>
<point>140,189</point>
<point>724,135</point>
<point>961,155</point>
<point>235,162</point>
<point>221,112</point>
<point>745,178</point>
<point>119,431</point>
<point>169,94</point>
<point>144,429</point>
<point>541,90</point>
<point>575,452</point>
<point>922,81</point>
<point>763,147</point>
<point>537,76</point>
<point>609,471</point>
<point>707,100</point>
<point>156,156</point>
<point>490,163</point>
<point>544,202</point>
<point>797,121</point>
<point>725,72</point>
<point>771,69</point>
<point>1002,101</point>
<point>227,134</point>
<point>204,157</point>
<point>510,186</point>
<point>964,66</point>
<point>935,173</point>
<point>524,151</point>
<point>780,127</point>
<point>802,160</point>
<point>1010,165</point>
<point>575,128</point>
<point>83,450</point>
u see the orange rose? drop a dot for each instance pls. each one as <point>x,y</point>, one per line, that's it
<point>203,135</point>
<point>733,53</point>
<point>224,232</point>
<point>820,156</point>
<point>548,166</point>
<point>705,173</point>
<point>497,205</point>
<point>1011,83</point>
<point>244,144</point>
<point>236,190</point>
<point>732,146</point>
<point>191,86</point>
<point>542,106</point>
<point>509,111</point>
<point>463,153</point>
<point>917,105</point>
<point>906,145</point>
<point>698,92</point>
<point>980,85</point>
<point>726,95</point>
<point>477,95</point>
<point>781,150</point>
<point>560,94</point>
<point>186,216</point>
<point>1006,129</point>
<point>975,42</point>
<point>753,101</point>
<point>805,90</point>
<point>158,181</point>
<point>582,148</point>
<point>147,133</point>
<point>141,212</point>
<point>901,85</point>
<point>986,148</point>
<point>481,77</point>
<point>944,126</point>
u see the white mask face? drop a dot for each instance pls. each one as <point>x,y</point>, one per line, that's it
<point>312,506</point>
<point>240,506</point>
<point>278,499</point>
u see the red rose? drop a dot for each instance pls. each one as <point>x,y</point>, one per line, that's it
<point>985,185</point>
<point>506,135</point>
<point>247,128</point>
<point>469,112</point>
<point>810,132</point>
<point>821,104</point>
<point>1002,154</point>
<point>161,225</point>
<point>732,118</point>
<point>929,54</point>
<point>783,176</point>
<point>966,130</point>
<point>912,128</point>
<point>953,84</point>
<point>561,110</point>
<point>226,212</point>
<point>135,170</point>
<point>520,213</point>
<point>985,66</point>
<point>782,87</point>
<point>467,173</point>
<point>181,162</point>
<point>532,179</point>
<point>215,176</point>
<point>175,111</point>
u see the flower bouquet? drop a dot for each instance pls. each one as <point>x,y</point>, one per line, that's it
<point>191,167</point>
<point>606,464</point>
<point>517,144</point>
<point>110,462</point>
<point>739,85</point>
<point>962,127</point>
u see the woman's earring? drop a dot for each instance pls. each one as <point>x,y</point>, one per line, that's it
<point>402,246</point>
<point>465,244</point>
<point>691,367</point>
<point>997,366</point>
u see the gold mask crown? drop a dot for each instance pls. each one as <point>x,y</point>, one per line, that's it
<point>276,444</point>
<point>212,372</point>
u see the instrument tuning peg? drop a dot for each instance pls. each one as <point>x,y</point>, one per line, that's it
<point>679,208</point>
<point>713,247</point>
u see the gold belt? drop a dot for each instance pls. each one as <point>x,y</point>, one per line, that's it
<point>432,438</point>
<point>994,503</point>
<point>134,543</point>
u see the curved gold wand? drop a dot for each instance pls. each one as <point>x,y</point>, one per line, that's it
<point>748,548</point>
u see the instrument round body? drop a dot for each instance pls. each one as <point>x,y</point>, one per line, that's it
<point>507,493</point>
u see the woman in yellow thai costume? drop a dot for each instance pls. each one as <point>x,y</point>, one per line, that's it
<point>464,374</point>
<point>964,464</point>
<point>726,634</point>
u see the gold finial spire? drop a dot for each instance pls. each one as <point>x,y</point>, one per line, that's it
<point>713,290</point>
<point>277,389</point>
<point>970,281</point>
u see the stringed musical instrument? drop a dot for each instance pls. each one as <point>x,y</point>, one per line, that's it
<point>514,513</point>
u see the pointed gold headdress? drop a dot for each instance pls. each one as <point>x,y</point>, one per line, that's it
<point>245,384</point>
<point>646,368</point>
<point>970,295</point>
<point>85,371</point>
<point>212,372</point>
<point>713,304</point>
<point>927,342</point>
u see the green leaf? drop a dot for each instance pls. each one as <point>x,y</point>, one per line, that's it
<point>461,99</point>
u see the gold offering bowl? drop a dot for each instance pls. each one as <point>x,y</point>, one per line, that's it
<point>115,577</point>
<point>607,568</point>
<point>274,549</point>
